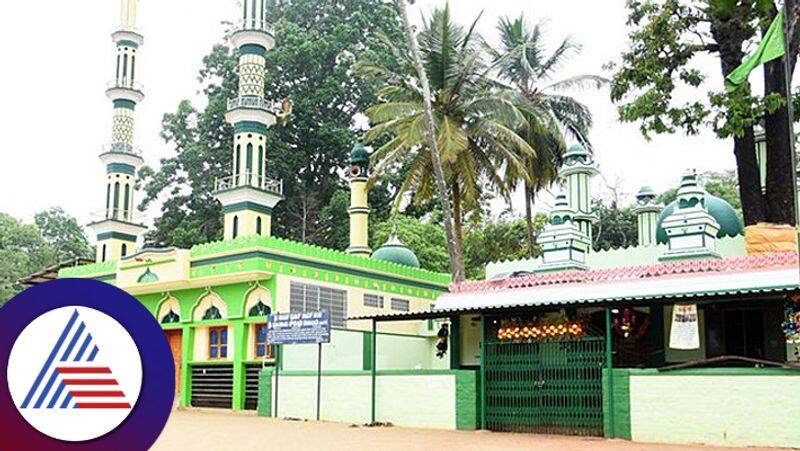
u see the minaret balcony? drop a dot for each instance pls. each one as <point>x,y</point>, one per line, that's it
<point>253,109</point>
<point>256,25</point>
<point>250,180</point>
<point>124,89</point>
<point>117,215</point>
<point>255,31</point>
<point>131,35</point>
<point>254,102</point>
<point>123,148</point>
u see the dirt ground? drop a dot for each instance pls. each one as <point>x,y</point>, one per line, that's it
<point>197,430</point>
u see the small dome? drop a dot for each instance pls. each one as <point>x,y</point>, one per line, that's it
<point>396,252</point>
<point>577,148</point>
<point>646,192</point>
<point>359,154</point>
<point>722,211</point>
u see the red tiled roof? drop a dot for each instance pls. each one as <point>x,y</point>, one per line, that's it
<point>629,273</point>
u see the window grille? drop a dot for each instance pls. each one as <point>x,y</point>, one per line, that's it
<point>401,305</point>
<point>313,298</point>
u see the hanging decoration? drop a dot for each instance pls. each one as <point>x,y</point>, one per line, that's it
<point>630,323</point>
<point>791,323</point>
<point>517,329</point>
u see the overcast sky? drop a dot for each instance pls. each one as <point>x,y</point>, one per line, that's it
<point>58,57</point>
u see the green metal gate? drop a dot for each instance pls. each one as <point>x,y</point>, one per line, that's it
<point>546,387</point>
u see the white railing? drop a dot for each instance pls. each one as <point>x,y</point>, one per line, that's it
<point>250,179</point>
<point>121,148</point>
<point>254,102</point>
<point>124,83</point>
<point>117,214</point>
<point>256,25</point>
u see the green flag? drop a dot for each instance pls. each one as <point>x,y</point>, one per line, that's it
<point>772,47</point>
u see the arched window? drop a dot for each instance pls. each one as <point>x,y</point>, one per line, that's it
<point>249,173</point>
<point>119,57</point>
<point>235,226</point>
<point>108,197</point>
<point>170,318</point>
<point>133,68</point>
<point>212,313</point>
<point>261,166</point>
<point>260,309</point>
<point>258,225</point>
<point>125,68</point>
<point>254,13</point>
<point>124,249</point>
<point>125,206</point>
<point>236,161</point>
<point>116,199</point>
<point>103,254</point>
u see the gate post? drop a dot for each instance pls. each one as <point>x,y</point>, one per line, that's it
<point>483,371</point>
<point>610,380</point>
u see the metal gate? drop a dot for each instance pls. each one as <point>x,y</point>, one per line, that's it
<point>546,387</point>
<point>212,386</point>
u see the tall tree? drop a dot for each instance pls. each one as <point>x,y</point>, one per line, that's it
<point>23,251</point>
<point>65,236</point>
<point>523,61</point>
<point>440,106</point>
<point>319,41</point>
<point>666,38</point>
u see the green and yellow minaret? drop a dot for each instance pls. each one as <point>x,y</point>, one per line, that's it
<point>116,228</point>
<point>359,201</point>
<point>247,195</point>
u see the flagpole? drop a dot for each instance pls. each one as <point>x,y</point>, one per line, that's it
<point>787,76</point>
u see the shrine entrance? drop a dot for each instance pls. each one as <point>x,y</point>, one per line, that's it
<point>547,381</point>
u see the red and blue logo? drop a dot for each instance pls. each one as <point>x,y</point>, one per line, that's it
<point>87,367</point>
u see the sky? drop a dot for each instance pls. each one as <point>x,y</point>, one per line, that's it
<point>55,117</point>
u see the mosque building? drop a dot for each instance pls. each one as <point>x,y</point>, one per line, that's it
<point>213,300</point>
<point>676,339</point>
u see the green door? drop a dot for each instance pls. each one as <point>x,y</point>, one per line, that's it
<point>548,386</point>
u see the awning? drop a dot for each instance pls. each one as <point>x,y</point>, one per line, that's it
<point>758,276</point>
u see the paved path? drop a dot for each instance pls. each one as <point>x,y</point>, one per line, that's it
<point>211,430</point>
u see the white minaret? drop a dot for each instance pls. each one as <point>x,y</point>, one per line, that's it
<point>116,228</point>
<point>577,172</point>
<point>247,195</point>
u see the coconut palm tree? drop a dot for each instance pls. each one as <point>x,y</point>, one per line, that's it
<point>522,62</point>
<point>475,123</point>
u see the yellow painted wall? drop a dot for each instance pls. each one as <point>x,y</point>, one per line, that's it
<point>247,223</point>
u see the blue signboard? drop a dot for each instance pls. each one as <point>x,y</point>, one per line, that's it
<point>299,328</point>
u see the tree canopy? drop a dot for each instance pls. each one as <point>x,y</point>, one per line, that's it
<point>55,237</point>
<point>318,44</point>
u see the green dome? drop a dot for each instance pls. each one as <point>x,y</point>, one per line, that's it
<point>396,252</point>
<point>577,148</point>
<point>359,154</point>
<point>729,223</point>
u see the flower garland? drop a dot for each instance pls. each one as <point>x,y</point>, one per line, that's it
<point>518,330</point>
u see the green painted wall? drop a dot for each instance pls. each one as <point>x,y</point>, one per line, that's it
<point>618,405</point>
<point>265,392</point>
